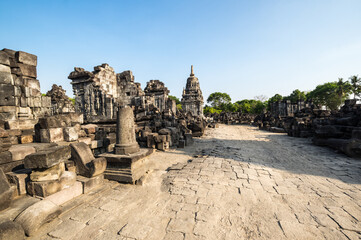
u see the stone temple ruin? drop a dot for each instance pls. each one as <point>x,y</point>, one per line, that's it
<point>54,150</point>
<point>192,98</point>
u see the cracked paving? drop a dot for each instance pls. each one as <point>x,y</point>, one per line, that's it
<point>236,182</point>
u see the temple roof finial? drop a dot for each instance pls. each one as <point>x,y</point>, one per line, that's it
<point>192,74</point>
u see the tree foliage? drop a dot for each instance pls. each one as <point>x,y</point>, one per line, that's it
<point>251,106</point>
<point>296,96</point>
<point>355,82</point>
<point>174,98</point>
<point>218,100</point>
<point>208,109</point>
<point>330,94</point>
<point>72,100</point>
<point>277,97</point>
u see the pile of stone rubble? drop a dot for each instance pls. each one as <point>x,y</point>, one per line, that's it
<point>52,150</point>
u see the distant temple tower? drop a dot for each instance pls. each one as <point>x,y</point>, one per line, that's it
<point>192,98</point>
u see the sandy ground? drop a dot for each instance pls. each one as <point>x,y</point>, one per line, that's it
<point>236,182</point>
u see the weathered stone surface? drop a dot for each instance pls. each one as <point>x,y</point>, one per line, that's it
<point>87,165</point>
<point>47,158</point>
<point>6,191</point>
<point>21,124</point>
<point>85,140</point>
<point>66,194</point>
<point>26,58</point>
<point>227,191</point>
<point>90,183</point>
<point>157,90</point>
<point>127,168</point>
<point>67,179</point>
<point>61,120</point>
<point>4,58</point>
<point>19,152</point>
<point>96,144</point>
<point>10,230</point>
<point>8,113</point>
<point>70,134</point>
<point>12,166</point>
<point>6,78</point>
<point>27,70</point>
<point>4,68</point>
<point>188,139</point>
<point>19,178</point>
<point>26,139</point>
<point>52,173</point>
<point>9,52</point>
<point>51,135</point>
<point>163,146</point>
<point>7,93</point>
<point>37,215</point>
<point>6,157</point>
<point>60,102</point>
<point>47,188</point>
<point>90,128</point>
<point>125,143</point>
<point>32,83</point>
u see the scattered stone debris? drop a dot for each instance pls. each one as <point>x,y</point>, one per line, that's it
<point>54,150</point>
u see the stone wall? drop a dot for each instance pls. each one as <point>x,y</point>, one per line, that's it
<point>19,89</point>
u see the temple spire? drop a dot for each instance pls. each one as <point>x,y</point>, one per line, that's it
<point>192,74</point>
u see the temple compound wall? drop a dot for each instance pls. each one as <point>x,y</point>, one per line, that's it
<point>192,98</point>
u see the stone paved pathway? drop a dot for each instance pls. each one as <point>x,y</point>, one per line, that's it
<point>235,183</point>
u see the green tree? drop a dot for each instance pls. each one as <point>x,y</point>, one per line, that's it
<point>259,107</point>
<point>343,89</point>
<point>328,94</point>
<point>251,106</point>
<point>244,106</point>
<point>275,98</point>
<point>231,107</point>
<point>219,100</point>
<point>355,82</point>
<point>208,109</point>
<point>296,96</point>
<point>72,100</point>
<point>174,98</point>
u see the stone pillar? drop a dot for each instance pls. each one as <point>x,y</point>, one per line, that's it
<point>125,143</point>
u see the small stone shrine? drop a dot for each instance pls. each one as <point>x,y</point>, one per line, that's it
<point>192,98</point>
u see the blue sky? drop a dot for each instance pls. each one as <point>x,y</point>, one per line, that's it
<point>243,48</point>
